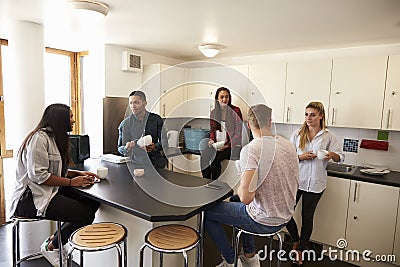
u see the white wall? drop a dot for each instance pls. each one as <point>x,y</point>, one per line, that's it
<point>120,83</point>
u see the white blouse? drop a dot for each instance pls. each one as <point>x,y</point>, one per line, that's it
<point>313,175</point>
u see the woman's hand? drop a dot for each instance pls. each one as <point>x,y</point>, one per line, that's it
<point>332,155</point>
<point>83,173</point>
<point>82,180</point>
<point>210,142</point>
<point>223,148</point>
<point>309,155</point>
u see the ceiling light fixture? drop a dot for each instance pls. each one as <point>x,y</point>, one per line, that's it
<point>91,6</point>
<point>209,50</point>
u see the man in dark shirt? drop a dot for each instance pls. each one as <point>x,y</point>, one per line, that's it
<point>141,123</point>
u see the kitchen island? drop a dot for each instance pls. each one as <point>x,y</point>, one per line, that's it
<point>123,200</point>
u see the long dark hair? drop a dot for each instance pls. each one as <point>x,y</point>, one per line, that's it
<point>56,123</point>
<point>217,113</point>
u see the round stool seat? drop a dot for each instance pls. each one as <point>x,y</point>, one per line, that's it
<point>98,235</point>
<point>172,237</point>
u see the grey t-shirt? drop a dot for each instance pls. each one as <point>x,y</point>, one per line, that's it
<point>275,160</point>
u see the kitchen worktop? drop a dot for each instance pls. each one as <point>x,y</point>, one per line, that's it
<point>391,179</point>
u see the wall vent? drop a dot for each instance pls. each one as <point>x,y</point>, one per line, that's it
<point>131,62</point>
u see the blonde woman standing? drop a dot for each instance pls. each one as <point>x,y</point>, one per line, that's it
<point>308,140</point>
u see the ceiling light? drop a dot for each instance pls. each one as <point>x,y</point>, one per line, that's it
<point>91,6</point>
<point>209,50</point>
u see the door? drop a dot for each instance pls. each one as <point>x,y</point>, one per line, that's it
<point>331,213</point>
<point>372,217</point>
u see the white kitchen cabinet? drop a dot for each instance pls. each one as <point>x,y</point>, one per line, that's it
<point>396,246</point>
<point>165,89</point>
<point>185,163</point>
<point>331,214</point>
<point>357,91</point>
<point>267,86</point>
<point>372,217</point>
<point>204,81</point>
<point>306,81</point>
<point>391,106</point>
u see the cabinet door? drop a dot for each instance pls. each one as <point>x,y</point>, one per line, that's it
<point>203,82</point>
<point>151,86</point>
<point>306,81</point>
<point>372,217</point>
<point>331,213</point>
<point>391,111</point>
<point>396,247</point>
<point>268,87</point>
<point>357,91</point>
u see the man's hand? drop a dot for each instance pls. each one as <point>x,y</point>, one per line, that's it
<point>150,147</point>
<point>130,145</point>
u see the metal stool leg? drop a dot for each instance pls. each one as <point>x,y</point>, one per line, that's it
<point>119,250</point>
<point>236,245</point>
<point>161,259</point>
<point>141,254</point>
<point>81,259</point>
<point>15,242</point>
<point>69,257</point>
<point>125,255</point>
<point>185,258</point>
<point>60,245</point>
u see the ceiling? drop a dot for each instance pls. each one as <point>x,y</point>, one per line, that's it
<point>175,28</point>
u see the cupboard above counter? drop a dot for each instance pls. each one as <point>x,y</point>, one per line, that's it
<point>357,91</point>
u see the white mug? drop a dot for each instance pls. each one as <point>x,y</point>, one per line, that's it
<point>138,172</point>
<point>322,153</point>
<point>102,172</point>
<point>145,140</point>
<point>218,145</point>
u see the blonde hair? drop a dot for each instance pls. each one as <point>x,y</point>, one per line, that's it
<point>259,116</point>
<point>304,128</point>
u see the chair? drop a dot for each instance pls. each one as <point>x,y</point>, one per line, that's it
<point>236,238</point>
<point>16,240</point>
<point>172,238</point>
<point>98,237</point>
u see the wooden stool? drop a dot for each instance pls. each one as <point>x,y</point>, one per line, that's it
<point>16,240</point>
<point>271,235</point>
<point>98,237</point>
<point>172,238</point>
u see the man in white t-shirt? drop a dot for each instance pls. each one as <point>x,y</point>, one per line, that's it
<point>269,181</point>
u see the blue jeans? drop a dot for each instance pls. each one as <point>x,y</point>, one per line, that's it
<point>235,214</point>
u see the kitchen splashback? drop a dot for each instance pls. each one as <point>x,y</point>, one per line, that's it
<point>388,158</point>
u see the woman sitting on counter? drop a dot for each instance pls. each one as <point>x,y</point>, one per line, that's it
<point>42,181</point>
<point>315,146</point>
<point>225,134</point>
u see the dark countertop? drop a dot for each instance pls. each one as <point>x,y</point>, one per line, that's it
<point>120,191</point>
<point>391,179</point>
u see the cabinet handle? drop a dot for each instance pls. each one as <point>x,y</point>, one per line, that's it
<point>355,192</point>
<point>163,110</point>
<point>389,117</point>
<point>292,93</point>
<point>355,217</point>
<point>287,114</point>
<point>338,92</point>
<point>333,116</point>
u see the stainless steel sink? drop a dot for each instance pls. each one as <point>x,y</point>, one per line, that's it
<point>341,168</point>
